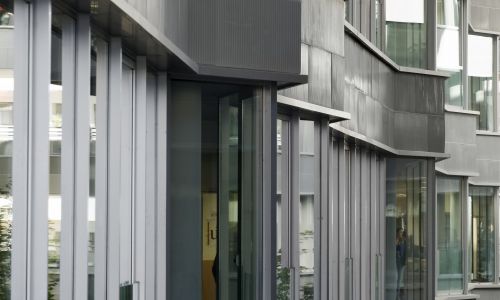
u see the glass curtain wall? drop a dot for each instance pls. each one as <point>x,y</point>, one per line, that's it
<point>55,137</point>
<point>6,137</point>
<point>482,234</point>
<point>449,48</point>
<point>308,199</point>
<point>92,144</point>
<point>297,213</point>
<point>283,274</point>
<point>406,226</point>
<point>480,74</point>
<point>213,195</point>
<point>406,32</point>
<point>449,235</point>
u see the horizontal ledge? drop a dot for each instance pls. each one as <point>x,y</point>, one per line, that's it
<point>489,285</point>
<point>485,183</point>
<point>283,79</point>
<point>459,110</point>
<point>456,173</point>
<point>141,21</point>
<point>409,153</point>
<point>482,31</point>
<point>381,55</point>
<point>457,297</point>
<point>333,114</point>
<point>487,133</point>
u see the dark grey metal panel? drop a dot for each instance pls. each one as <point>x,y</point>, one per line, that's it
<point>338,81</point>
<point>323,24</point>
<point>385,104</point>
<point>252,34</point>
<point>460,144</point>
<point>320,72</point>
<point>488,160</point>
<point>485,15</point>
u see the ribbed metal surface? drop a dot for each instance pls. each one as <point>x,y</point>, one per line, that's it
<point>249,34</point>
<point>385,105</point>
<point>485,15</point>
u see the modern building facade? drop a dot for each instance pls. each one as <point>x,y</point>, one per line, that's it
<point>251,149</point>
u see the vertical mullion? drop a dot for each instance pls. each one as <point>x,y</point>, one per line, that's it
<point>139,257</point>
<point>333,219</point>
<point>323,195</point>
<point>82,151</point>
<point>150,205</point>
<point>495,84</point>
<point>496,247</point>
<point>381,213</point>
<point>430,229</point>
<point>295,202</point>
<point>466,211</point>
<point>285,194</point>
<point>67,158</point>
<point>268,200</point>
<point>114,140</point>
<point>20,153</point>
<point>464,33</point>
<point>342,215</point>
<point>162,213</point>
<point>101,170</point>
<point>317,206</point>
<point>39,154</point>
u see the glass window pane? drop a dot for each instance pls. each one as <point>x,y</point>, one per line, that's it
<point>406,43</point>
<point>405,217</point>
<point>212,150</point>
<point>92,145</point>
<point>481,97</point>
<point>480,74</point>
<point>482,234</point>
<point>448,12</point>
<point>449,235</point>
<point>282,204</point>
<point>404,11</point>
<point>6,137</point>
<point>55,136</point>
<point>308,179</point>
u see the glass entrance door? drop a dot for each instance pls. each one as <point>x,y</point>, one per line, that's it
<point>228,254</point>
<point>213,191</point>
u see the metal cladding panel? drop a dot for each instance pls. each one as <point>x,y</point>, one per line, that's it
<point>485,15</point>
<point>323,24</point>
<point>460,144</point>
<point>488,160</point>
<point>386,105</point>
<point>249,34</point>
<point>320,72</point>
<point>259,35</point>
<point>338,81</point>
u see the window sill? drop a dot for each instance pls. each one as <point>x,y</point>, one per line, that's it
<point>459,110</point>
<point>486,285</point>
<point>456,297</point>
<point>352,31</point>
<point>487,133</point>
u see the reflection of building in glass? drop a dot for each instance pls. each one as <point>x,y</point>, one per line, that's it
<point>267,150</point>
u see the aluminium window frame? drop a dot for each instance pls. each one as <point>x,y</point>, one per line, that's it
<point>290,210</point>
<point>465,210</point>
<point>496,216</point>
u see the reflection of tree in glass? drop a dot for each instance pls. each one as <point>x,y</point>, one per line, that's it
<point>5,242</point>
<point>282,280</point>
<point>53,262</point>
<point>307,288</point>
